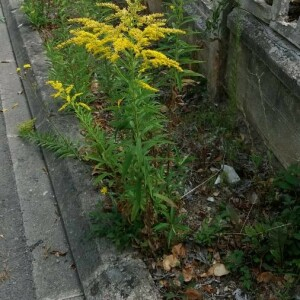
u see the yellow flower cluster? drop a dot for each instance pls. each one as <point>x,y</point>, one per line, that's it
<point>25,67</point>
<point>134,32</point>
<point>104,190</point>
<point>146,86</point>
<point>65,94</point>
<point>157,59</point>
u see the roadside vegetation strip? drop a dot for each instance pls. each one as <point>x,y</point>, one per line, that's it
<point>132,155</point>
<point>133,152</point>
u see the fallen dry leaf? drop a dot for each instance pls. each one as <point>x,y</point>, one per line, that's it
<point>265,277</point>
<point>46,251</point>
<point>211,199</point>
<point>219,158</point>
<point>163,283</point>
<point>1,236</point>
<point>58,253</point>
<point>188,273</point>
<point>170,261</point>
<point>217,269</point>
<point>95,87</point>
<point>3,110</point>
<point>289,278</point>
<point>187,82</point>
<point>208,288</point>
<point>15,105</point>
<point>179,250</point>
<point>4,275</point>
<point>164,109</point>
<point>217,257</point>
<point>176,282</point>
<point>193,294</point>
<point>216,194</point>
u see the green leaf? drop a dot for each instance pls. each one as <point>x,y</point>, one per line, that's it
<point>126,165</point>
<point>291,179</point>
<point>100,177</point>
<point>283,185</point>
<point>137,201</point>
<point>297,235</point>
<point>161,226</point>
<point>192,73</point>
<point>165,199</point>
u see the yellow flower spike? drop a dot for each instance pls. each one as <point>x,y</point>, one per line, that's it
<point>83,105</point>
<point>114,57</point>
<point>109,5</point>
<point>119,102</point>
<point>18,70</point>
<point>56,95</point>
<point>104,190</point>
<point>64,106</point>
<point>146,86</point>
<point>75,96</point>
<point>27,66</point>
<point>57,85</point>
<point>68,90</point>
<point>122,44</point>
<point>158,59</point>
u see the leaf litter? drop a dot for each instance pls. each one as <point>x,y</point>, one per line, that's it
<point>195,271</point>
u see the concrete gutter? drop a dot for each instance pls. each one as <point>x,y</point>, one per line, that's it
<point>104,272</point>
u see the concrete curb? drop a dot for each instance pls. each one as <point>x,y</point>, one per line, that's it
<point>104,273</point>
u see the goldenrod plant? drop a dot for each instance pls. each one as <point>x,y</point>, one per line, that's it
<point>182,49</point>
<point>135,158</point>
<point>42,13</point>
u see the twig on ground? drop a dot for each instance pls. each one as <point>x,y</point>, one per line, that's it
<point>196,187</point>
<point>247,218</point>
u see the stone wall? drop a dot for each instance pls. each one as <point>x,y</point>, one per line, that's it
<point>268,84</point>
<point>265,65</point>
<point>281,15</point>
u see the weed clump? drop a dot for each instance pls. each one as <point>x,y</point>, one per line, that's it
<point>133,156</point>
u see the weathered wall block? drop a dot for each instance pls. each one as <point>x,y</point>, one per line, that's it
<point>282,15</point>
<point>259,8</point>
<point>262,56</point>
<point>268,85</point>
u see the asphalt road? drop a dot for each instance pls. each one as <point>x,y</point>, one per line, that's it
<point>16,281</point>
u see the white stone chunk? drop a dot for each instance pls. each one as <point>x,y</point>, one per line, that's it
<point>229,173</point>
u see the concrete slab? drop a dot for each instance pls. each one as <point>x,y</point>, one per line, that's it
<point>16,281</point>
